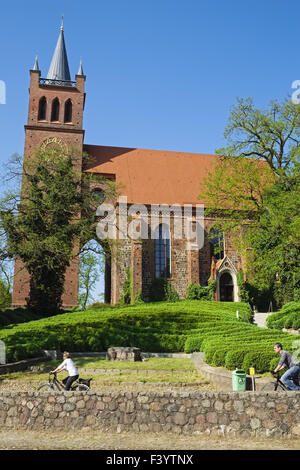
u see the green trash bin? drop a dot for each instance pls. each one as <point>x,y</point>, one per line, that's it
<point>238,380</point>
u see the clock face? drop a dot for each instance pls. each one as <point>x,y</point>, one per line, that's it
<point>54,142</point>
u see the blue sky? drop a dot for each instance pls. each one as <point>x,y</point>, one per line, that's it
<point>161,74</point>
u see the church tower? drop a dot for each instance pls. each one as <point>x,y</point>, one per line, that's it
<point>55,116</point>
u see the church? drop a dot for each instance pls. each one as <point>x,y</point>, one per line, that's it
<point>147,177</point>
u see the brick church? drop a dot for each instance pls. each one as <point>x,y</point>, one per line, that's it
<point>148,177</point>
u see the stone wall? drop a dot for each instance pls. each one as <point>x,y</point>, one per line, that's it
<point>242,414</point>
<point>22,365</point>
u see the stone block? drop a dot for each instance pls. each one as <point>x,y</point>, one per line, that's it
<point>124,354</point>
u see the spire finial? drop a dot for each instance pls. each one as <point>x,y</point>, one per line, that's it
<point>80,70</point>
<point>36,64</point>
<point>62,23</point>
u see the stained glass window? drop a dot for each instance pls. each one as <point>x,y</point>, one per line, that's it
<point>216,240</point>
<point>162,251</point>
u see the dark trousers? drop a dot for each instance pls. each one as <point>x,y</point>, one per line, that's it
<point>69,380</point>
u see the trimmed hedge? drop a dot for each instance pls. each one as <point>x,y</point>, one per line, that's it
<point>197,292</point>
<point>153,327</point>
<point>17,315</point>
<point>211,327</point>
<point>241,345</point>
<point>287,317</point>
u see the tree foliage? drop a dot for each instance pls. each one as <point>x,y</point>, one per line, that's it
<point>271,135</point>
<point>275,240</point>
<point>45,227</point>
<point>254,191</point>
<point>91,264</point>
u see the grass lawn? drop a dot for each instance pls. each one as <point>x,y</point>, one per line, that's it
<point>37,378</point>
<point>177,370</point>
<point>152,363</point>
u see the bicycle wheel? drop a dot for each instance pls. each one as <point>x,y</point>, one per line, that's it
<point>80,388</point>
<point>45,387</point>
<point>269,387</point>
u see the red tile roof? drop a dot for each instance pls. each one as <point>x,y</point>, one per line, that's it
<point>152,176</point>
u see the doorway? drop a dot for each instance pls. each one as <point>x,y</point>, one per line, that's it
<point>226,288</point>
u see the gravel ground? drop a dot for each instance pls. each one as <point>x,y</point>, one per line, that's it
<point>12,385</point>
<point>95,440</point>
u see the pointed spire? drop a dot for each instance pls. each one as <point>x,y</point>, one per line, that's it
<point>36,64</point>
<point>59,67</point>
<point>80,70</point>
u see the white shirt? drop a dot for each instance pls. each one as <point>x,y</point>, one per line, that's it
<point>69,365</point>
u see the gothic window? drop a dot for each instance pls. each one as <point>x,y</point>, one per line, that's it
<point>42,109</point>
<point>68,111</point>
<point>55,110</point>
<point>162,251</point>
<point>216,241</point>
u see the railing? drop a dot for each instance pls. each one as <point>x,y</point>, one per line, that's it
<point>49,81</point>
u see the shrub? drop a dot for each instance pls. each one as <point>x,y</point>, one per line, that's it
<point>193,344</point>
<point>139,297</point>
<point>17,315</point>
<point>287,317</point>
<point>235,358</point>
<point>162,290</point>
<point>259,360</point>
<point>190,325</point>
<point>273,363</point>
<point>197,292</point>
<point>97,305</point>
<point>126,296</point>
<point>218,359</point>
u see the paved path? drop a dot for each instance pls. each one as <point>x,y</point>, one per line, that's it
<point>260,319</point>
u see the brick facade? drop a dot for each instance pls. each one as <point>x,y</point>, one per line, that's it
<point>45,132</point>
<point>148,177</point>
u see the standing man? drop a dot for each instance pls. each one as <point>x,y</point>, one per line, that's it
<point>288,362</point>
<point>68,365</point>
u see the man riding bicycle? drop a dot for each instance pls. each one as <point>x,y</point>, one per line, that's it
<point>288,362</point>
<point>68,365</point>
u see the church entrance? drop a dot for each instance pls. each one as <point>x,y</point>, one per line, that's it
<point>226,287</point>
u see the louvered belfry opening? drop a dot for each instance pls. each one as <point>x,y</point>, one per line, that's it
<point>68,111</point>
<point>55,110</point>
<point>42,109</point>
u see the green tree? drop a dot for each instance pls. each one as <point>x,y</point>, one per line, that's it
<point>253,190</point>
<point>6,278</point>
<point>91,264</point>
<point>275,239</point>
<point>271,135</point>
<point>45,227</point>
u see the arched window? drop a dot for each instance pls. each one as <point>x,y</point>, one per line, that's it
<point>68,111</point>
<point>216,241</point>
<point>98,195</point>
<point>42,109</point>
<point>55,110</point>
<point>162,251</point>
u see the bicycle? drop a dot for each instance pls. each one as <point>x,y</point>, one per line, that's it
<point>274,385</point>
<point>80,385</point>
